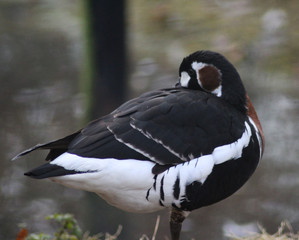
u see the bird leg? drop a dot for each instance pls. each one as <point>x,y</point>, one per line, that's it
<point>176,218</point>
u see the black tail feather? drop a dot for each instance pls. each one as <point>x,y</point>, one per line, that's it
<point>48,170</point>
<point>56,147</point>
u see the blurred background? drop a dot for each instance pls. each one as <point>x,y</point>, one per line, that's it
<point>46,70</point>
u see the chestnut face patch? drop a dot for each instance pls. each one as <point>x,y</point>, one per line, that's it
<point>209,77</point>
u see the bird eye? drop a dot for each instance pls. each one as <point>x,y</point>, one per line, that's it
<point>190,72</point>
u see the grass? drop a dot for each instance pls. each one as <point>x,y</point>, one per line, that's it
<point>68,229</point>
<point>284,232</point>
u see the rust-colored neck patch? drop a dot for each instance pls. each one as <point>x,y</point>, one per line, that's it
<point>209,77</point>
<point>252,114</point>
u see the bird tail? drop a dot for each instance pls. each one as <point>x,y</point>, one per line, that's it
<point>48,170</point>
<point>56,148</point>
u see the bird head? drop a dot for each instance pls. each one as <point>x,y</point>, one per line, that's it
<point>211,72</point>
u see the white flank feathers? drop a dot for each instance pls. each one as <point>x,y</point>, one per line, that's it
<point>122,183</point>
<point>234,150</point>
<point>258,136</point>
<point>129,184</point>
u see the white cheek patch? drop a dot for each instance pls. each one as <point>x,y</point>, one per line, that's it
<point>218,91</point>
<point>185,78</point>
<point>197,66</point>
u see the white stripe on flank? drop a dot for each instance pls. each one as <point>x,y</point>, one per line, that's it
<point>122,183</point>
<point>200,168</point>
<point>257,135</point>
<point>125,183</point>
<point>234,150</point>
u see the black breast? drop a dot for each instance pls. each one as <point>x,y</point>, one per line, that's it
<point>225,179</point>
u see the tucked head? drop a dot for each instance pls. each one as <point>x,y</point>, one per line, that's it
<point>213,73</point>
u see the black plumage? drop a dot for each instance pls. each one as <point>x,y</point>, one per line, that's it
<point>195,131</point>
<point>206,125</point>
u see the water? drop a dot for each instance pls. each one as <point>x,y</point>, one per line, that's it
<point>40,66</point>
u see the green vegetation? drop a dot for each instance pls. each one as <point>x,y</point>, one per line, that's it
<point>68,229</point>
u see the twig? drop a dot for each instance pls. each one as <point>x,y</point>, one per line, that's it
<point>115,235</point>
<point>156,227</point>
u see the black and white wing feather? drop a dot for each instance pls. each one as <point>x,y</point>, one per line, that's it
<point>167,127</point>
